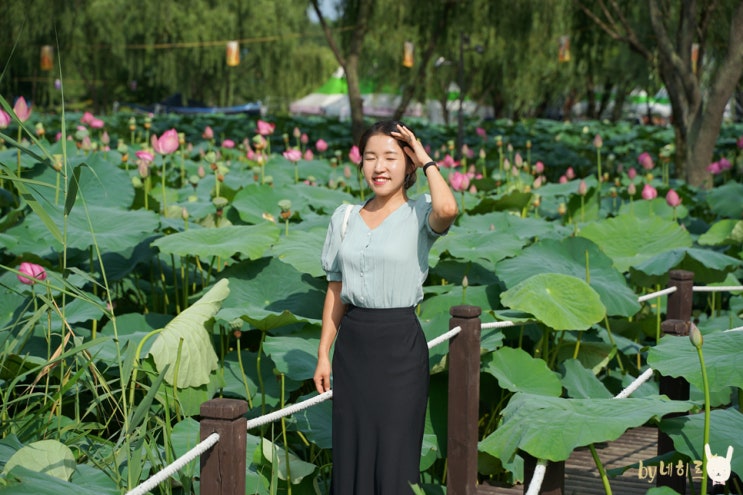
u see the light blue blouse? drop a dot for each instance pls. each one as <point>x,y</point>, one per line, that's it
<point>384,267</point>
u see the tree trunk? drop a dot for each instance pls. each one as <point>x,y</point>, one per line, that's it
<point>354,97</point>
<point>697,118</point>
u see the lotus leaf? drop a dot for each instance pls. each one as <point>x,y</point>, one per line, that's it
<point>573,256</point>
<point>562,302</point>
<point>629,240</point>
<point>707,266</point>
<point>581,383</point>
<point>301,250</point>
<point>489,247</point>
<point>297,467</point>
<point>50,457</point>
<point>677,357</point>
<point>725,200</point>
<point>724,232</point>
<point>551,428</point>
<point>517,371</point>
<point>315,422</point>
<point>268,294</point>
<point>188,332</point>
<point>654,207</point>
<point>295,355</point>
<point>235,379</point>
<point>113,229</point>
<point>687,433</point>
<point>251,241</point>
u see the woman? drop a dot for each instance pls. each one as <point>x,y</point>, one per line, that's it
<point>376,260</point>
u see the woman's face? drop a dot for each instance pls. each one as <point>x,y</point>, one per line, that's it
<point>384,165</point>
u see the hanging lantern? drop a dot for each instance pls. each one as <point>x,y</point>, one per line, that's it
<point>47,57</point>
<point>563,52</point>
<point>407,57</point>
<point>694,56</point>
<point>233,53</point>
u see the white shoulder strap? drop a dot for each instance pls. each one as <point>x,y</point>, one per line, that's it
<point>345,221</point>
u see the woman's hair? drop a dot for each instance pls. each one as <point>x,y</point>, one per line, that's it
<point>386,127</point>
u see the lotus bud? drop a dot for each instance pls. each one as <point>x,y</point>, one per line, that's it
<point>184,213</point>
<point>582,188</point>
<point>465,282</point>
<point>562,209</point>
<point>136,182</point>
<point>132,124</point>
<point>57,164</point>
<point>631,189</point>
<point>296,133</point>
<point>695,336</point>
<point>33,273</point>
<point>39,129</point>
<point>499,141</point>
<point>598,142</point>
<point>528,144</point>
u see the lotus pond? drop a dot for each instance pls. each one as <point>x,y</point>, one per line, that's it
<point>141,278</point>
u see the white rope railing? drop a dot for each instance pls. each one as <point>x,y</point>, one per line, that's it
<point>645,376</point>
<point>659,293</point>
<point>176,465</point>
<point>537,478</point>
<point>498,324</point>
<point>286,411</point>
<point>717,288</point>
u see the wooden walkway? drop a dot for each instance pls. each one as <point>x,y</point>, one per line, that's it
<point>582,477</point>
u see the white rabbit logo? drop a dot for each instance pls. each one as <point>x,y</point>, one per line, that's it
<point>718,467</point>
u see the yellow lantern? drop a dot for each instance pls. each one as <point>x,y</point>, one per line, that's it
<point>407,58</point>
<point>47,57</point>
<point>563,52</point>
<point>233,53</point>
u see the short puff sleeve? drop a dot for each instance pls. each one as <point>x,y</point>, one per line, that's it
<point>329,258</point>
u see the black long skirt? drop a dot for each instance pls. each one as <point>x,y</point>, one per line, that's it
<point>380,390</point>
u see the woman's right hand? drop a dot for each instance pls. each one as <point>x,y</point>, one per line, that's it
<point>322,374</point>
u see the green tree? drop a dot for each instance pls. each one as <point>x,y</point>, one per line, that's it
<point>699,89</point>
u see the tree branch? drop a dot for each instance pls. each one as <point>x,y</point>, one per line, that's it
<point>328,35</point>
<point>612,28</point>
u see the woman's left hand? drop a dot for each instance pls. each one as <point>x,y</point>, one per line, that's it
<point>414,148</point>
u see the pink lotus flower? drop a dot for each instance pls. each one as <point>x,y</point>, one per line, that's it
<point>673,199</point>
<point>563,179</point>
<point>304,138</point>
<point>167,143</point>
<point>631,189</point>
<point>145,156</point>
<point>459,181</point>
<point>645,160</point>
<point>21,109</point>
<point>308,155</point>
<point>321,146</point>
<point>539,168</point>
<point>714,168</point>
<point>208,133</point>
<point>297,133</point>
<point>354,155</point>
<point>449,162</point>
<point>518,161</point>
<point>481,132</point>
<point>598,142</point>
<point>228,143</point>
<point>97,123</point>
<point>87,118</point>
<point>265,128</point>
<point>250,155</point>
<point>570,173</point>
<point>293,155</point>
<point>649,192</point>
<point>582,188</point>
<point>5,119</point>
<point>632,173</point>
<point>725,164</point>
<point>34,273</point>
<point>740,143</point>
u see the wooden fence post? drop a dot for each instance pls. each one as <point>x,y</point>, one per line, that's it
<point>464,399</point>
<point>677,322</point>
<point>223,466</point>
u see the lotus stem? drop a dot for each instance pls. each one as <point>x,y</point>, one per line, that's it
<point>260,377</point>
<point>244,376</point>
<point>162,184</point>
<point>286,443</point>
<point>705,441</point>
<point>600,467</point>
<point>175,379</point>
